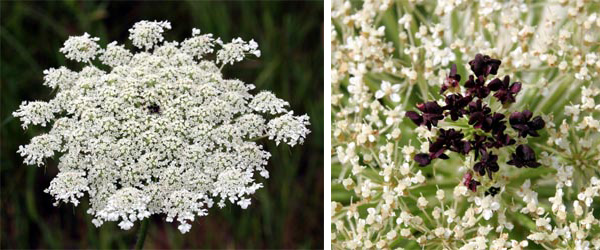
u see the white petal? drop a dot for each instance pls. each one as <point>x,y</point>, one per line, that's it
<point>385,85</point>
<point>487,214</point>
<point>379,94</point>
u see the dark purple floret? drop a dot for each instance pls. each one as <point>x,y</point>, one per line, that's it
<point>476,87</point>
<point>478,144</point>
<point>520,121</point>
<point>432,113</point>
<point>455,104</point>
<point>524,156</point>
<point>447,140</point>
<point>499,140</point>
<point>469,182</point>
<point>488,163</point>
<point>505,92</point>
<point>479,115</point>
<point>484,65</point>
<point>451,140</point>
<point>497,126</point>
<point>154,108</point>
<point>493,191</point>
<point>423,159</point>
<point>452,80</point>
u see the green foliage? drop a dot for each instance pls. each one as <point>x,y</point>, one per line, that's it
<point>286,213</point>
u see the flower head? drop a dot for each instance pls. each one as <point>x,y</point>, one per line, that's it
<point>81,48</point>
<point>161,132</point>
<point>146,34</point>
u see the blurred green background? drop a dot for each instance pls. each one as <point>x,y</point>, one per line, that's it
<point>286,213</point>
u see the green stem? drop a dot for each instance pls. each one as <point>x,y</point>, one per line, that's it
<point>139,244</point>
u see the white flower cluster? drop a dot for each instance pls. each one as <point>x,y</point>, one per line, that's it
<point>81,48</point>
<point>236,50</point>
<point>162,132</point>
<point>146,34</point>
<point>387,57</point>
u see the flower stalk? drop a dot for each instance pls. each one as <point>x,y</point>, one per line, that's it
<point>141,237</point>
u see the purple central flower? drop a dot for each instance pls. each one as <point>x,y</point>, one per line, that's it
<point>484,65</point>
<point>524,157</point>
<point>520,121</point>
<point>470,182</point>
<point>488,163</point>
<point>488,129</point>
<point>447,140</point>
<point>452,81</point>
<point>455,104</point>
<point>504,92</point>
<point>432,113</point>
<point>476,87</point>
<point>479,115</point>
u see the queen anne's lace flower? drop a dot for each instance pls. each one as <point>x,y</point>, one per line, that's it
<point>288,128</point>
<point>159,133</point>
<point>81,48</point>
<point>236,50</point>
<point>267,102</point>
<point>146,34</point>
<point>115,55</point>
<point>198,45</point>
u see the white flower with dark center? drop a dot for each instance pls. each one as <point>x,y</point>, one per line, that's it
<point>161,132</point>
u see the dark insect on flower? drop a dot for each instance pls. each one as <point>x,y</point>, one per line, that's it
<point>479,115</point>
<point>452,80</point>
<point>154,108</point>
<point>493,191</point>
<point>469,182</point>
<point>476,87</point>
<point>504,92</point>
<point>488,163</point>
<point>484,65</point>
<point>455,104</point>
<point>524,156</point>
<point>432,113</point>
<point>520,121</point>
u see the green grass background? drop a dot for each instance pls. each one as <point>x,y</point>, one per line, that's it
<point>286,213</point>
